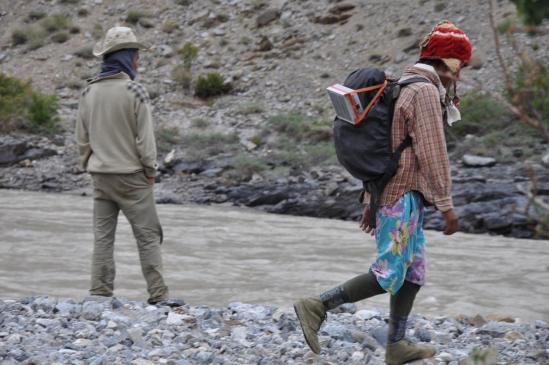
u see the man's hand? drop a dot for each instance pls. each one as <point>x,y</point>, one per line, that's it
<point>151,180</point>
<point>452,222</point>
<point>365,221</point>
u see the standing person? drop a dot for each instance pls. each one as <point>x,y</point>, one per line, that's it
<point>115,136</point>
<point>423,176</point>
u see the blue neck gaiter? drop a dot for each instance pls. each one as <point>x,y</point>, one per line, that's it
<point>119,61</point>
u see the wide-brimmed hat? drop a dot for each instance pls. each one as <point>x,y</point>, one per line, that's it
<point>117,38</point>
<point>449,44</point>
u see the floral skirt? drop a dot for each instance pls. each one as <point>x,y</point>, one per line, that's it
<point>400,243</point>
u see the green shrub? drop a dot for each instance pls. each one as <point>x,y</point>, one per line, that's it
<point>97,31</point>
<point>201,145</point>
<point>134,16</point>
<point>83,12</point>
<point>35,15</point>
<point>60,37</point>
<point>245,166</point>
<point>299,128</point>
<point>23,108</point>
<point>532,85</point>
<point>188,54</point>
<point>183,2</point>
<point>69,2</point>
<point>211,84</point>
<point>85,52</point>
<point>43,113</point>
<point>169,26</point>
<point>56,23</point>
<point>166,138</point>
<point>251,108</point>
<point>19,36</point>
<point>480,114</point>
<point>200,123</point>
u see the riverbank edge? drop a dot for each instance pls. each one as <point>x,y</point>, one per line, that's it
<point>100,330</point>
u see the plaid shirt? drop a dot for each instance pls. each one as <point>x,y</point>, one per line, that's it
<point>425,166</point>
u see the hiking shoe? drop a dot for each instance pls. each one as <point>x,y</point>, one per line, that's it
<point>404,351</point>
<point>166,302</point>
<point>310,313</point>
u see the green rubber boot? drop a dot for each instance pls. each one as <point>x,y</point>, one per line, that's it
<point>311,314</point>
<point>404,351</point>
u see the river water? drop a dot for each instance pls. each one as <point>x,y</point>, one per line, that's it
<point>217,255</point>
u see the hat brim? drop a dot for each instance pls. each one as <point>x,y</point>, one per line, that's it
<point>453,64</point>
<point>98,50</point>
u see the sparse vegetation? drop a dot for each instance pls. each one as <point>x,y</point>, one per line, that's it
<point>166,138</point>
<point>35,36</point>
<point>21,107</point>
<point>201,145</point>
<point>169,26</point>
<point>56,23</point>
<point>480,114</point>
<point>210,85</point>
<point>134,16</point>
<point>97,31</point>
<point>85,52</point>
<point>60,37</point>
<point>183,2</point>
<point>188,54</point>
<point>245,166</point>
<point>200,123</point>
<point>251,108</point>
<point>35,15</point>
<point>299,128</point>
<point>182,76</point>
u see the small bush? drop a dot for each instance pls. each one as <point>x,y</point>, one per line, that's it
<point>251,108</point>
<point>480,114</point>
<point>74,29</point>
<point>60,37</point>
<point>200,123</point>
<point>182,76</point>
<point>299,128</point>
<point>35,15</point>
<point>211,84</point>
<point>85,52</point>
<point>43,113</point>
<point>202,145</point>
<point>69,2</point>
<point>166,138</point>
<point>169,26</point>
<point>23,108</point>
<point>97,31</point>
<point>18,37</point>
<point>56,23</point>
<point>134,16</point>
<point>183,2</point>
<point>245,166</point>
<point>83,12</point>
<point>188,54</point>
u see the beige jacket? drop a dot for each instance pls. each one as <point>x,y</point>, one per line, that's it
<point>114,129</point>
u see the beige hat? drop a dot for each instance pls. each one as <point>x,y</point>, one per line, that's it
<point>117,38</point>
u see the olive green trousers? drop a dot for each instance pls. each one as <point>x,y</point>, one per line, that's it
<point>132,194</point>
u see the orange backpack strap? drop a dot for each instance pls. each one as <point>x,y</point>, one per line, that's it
<point>379,88</point>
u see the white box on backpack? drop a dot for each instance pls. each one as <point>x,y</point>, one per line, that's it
<point>346,103</point>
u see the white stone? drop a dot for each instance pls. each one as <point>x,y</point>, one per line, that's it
<point>478,161</point>
<point>174,319</point>
<point>366,314</point>
<point>82,342</point>
<point>357,356</point>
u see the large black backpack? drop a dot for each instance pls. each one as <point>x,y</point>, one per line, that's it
<point>365,149</point>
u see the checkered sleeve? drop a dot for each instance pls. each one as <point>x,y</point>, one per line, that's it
<point>429,144</point>
<point>145,141</point>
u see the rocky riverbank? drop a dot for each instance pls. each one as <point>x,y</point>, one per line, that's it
<point>43,330</point>
<point>489,197</point>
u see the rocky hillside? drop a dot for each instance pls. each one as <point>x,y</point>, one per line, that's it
<point>266,143</point>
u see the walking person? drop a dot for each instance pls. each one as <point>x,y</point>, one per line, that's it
<point>115,136</point>
<point>423,176</point>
